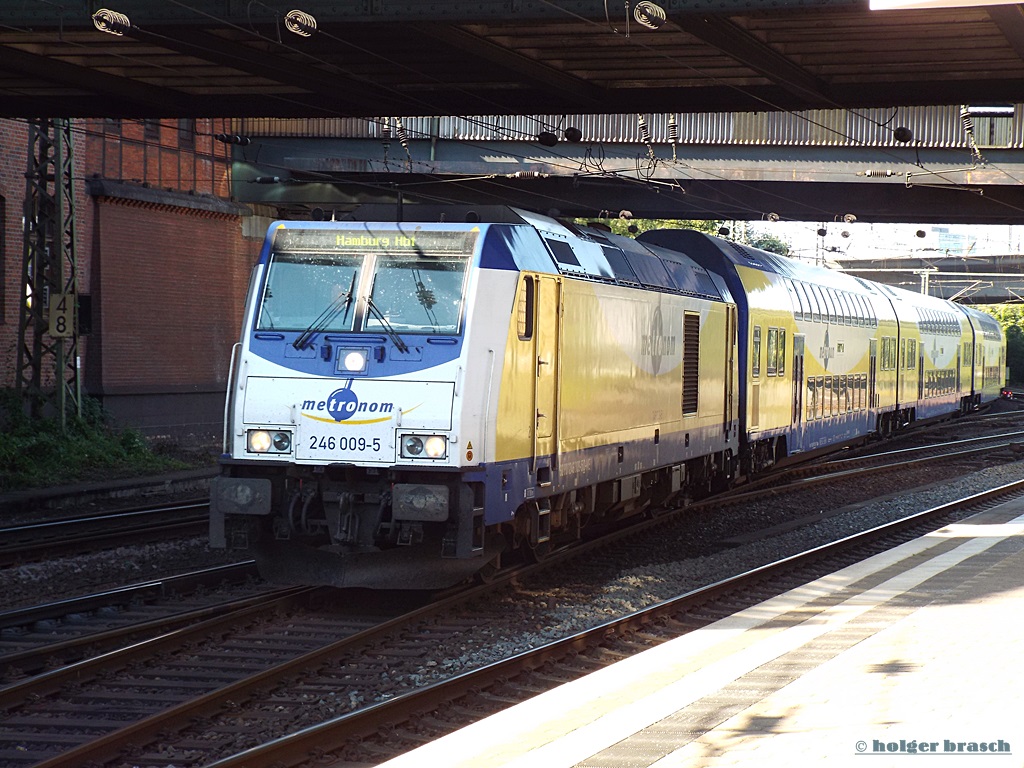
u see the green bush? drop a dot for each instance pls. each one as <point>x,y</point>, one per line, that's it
<point>37,453</point>
<point>1011,318</point>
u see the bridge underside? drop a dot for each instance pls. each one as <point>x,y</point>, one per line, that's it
<point>693,182</point>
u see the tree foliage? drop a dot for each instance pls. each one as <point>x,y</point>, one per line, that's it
<point>621,226</point>
<point>1011,318</point>
<point>770,243</point>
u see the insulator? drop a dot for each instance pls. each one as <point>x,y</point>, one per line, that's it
<point>673,129</point>
<point>526,175</point>
<point>300,22</point>
<point>649,15</point>
<point>385,130</point>
<point>645,134</point>
<point>403,137</point>
<point>111,22</point>
<point>887,172</point>
<point>228,138</point>
<point>966,121</point>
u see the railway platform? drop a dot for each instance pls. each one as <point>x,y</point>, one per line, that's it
<point>915,652</point>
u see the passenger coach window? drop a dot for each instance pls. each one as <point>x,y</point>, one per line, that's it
<point>794,299</point>
<point>847,311</point>
<point>820,296</point>
<point>812,302</point>
<point>773,351</point>
<point>755,353</point>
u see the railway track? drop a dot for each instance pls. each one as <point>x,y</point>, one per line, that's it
<point>99,706</point>
<point>37,541</point>
<point>304,676</point>
<point>183,699</point>
<point>993,448</point>
<point>36,638</point>
<point>392,727</point>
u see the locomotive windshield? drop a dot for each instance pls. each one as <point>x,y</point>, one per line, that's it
<point>409,282</point>
<point>417,295</point>
<point>305,289</point>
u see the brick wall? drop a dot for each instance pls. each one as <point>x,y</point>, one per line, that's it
<point>13,154</point>
<point>170,284</point>
<point>166,266</point>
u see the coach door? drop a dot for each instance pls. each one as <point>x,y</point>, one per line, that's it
<point>873,375</point>
<point>730,367</point>
<point>798,379</point>
<point>548,302</point>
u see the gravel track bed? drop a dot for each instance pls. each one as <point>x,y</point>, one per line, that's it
<point>34,583</point>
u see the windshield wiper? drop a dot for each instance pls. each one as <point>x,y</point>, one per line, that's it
<point>342,302</point>
<point>392,334</point>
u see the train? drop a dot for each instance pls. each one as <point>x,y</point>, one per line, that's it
<point>416,402</point>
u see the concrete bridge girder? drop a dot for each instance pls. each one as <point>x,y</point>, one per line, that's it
<point>809,183</point>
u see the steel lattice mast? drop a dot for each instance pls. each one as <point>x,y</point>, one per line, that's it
<point>48,370</point>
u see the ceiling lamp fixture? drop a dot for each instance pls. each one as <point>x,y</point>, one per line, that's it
<point>111,22</point>
<point>649,15</point>
<point>300,22</point>
<point>573,134</point>
<point>903,134</point>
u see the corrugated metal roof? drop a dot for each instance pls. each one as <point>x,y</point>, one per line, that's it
<point>931,127</point>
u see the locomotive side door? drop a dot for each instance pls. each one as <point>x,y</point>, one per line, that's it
<point>548,318</point>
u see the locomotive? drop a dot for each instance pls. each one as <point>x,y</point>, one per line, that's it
<point>411,402</point>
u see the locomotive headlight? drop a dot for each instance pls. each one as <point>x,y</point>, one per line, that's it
<point>259,441</point>
<point>424,447</point>
<point>269,441</point>
<point>354,360</point>
<point>436,447</point>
